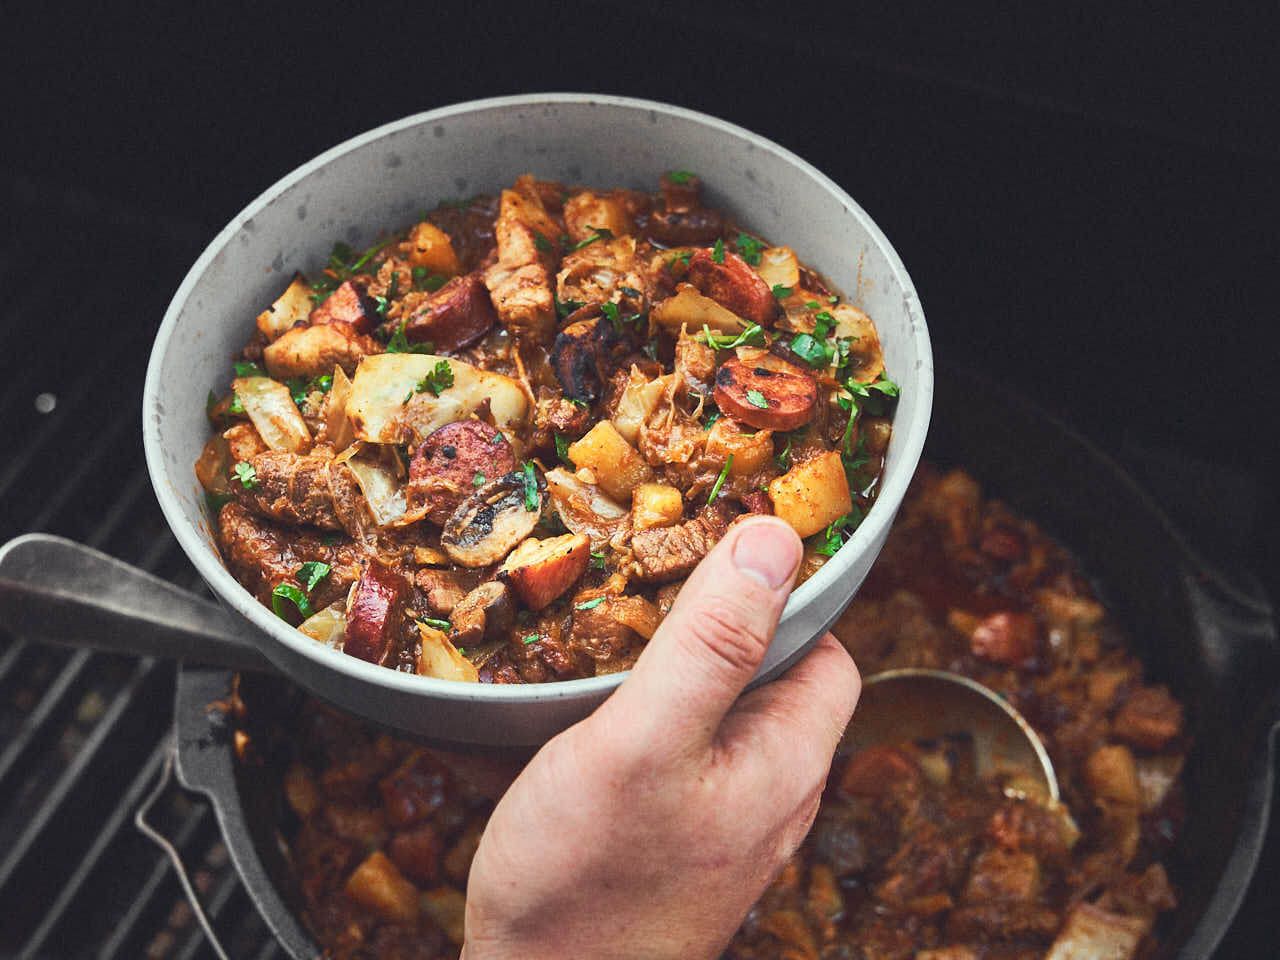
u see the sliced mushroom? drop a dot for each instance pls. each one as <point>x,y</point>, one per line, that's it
<point>482,615</point>
<point>489,523</point>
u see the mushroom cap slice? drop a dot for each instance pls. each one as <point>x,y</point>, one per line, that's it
<point>488,524</point>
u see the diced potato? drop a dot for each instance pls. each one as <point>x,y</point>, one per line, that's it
<point>212,465</point>
<point>379,885</point>
<point>1092,933</point>
<point>751,449</point>
<point>300,790</point>
<point>270,407</point>
<point>779,267</point>
<point>864,351</point>
<point>813,494</point>
<point>640,397</point>
<point>384,407</point>
<point>541,570</point>
<point>447,907</point>
<point>1112,774</point>
<point>438,657</point>
<point>431,249</point>
<point>292,306</point>
<point>618,466</point>
<point>312,351</point>
<point>656,505</point>
<point>689,308</point>
<point>587,212</point>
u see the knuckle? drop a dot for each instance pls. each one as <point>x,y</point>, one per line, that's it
<point>728,636</point>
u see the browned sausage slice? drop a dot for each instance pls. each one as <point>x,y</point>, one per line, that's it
<point>456,315</point>
<point>763,398</point>
<point>348,304</point>
<point>733,284</point>
<point>447,465</point>
<point>376,615</point>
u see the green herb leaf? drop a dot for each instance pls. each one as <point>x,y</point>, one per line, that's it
<point>717,252</point>
<point>444,625</point>
<point>715,415</point>
<point>757,399</point>
<point>541,242</point>
<point>823,324</point>
<point>498,438</point>
<point>562,450</point>
<point>590,604</point>
<point>885,386</point>
<point>216,501</point>
<point>752,335</point>
<point>288,592</point>
<point>311,573</point>
<point>681,258</point>
<point>247,476</point>
<point>599,233</point>
<point>566,307</point>
<point>781,292</point>
<point>246,369</point>
<point>479,479</point>
<point>815,352</point>
<point>610,310</point>
<point>833,299</point>
<point>235,406</point>
<point>530,487</point>
<point>680,177</point>
<point>399,343</point>
<point>532,638</point>
<point>437,381</point>
<point>749,248</point>
<point>724,473</point>
<point>597,560</point>
<point>784,458</point>
<point>832,539</point>
<point>812,304</point>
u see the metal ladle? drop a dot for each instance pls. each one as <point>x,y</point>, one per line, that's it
<point>918,704</point>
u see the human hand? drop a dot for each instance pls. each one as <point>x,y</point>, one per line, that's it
<point>649,829</point>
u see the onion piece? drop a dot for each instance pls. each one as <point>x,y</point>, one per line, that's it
<point>689,308</point>
<point>382,490</point>
<point>438,657</point>
<point>779,267</point>
<point>270,407</point>
<point>385,405</point>
<point>584,508</point>
<point>213,465</point>
<point>327,626</point>
<point>337,426</point>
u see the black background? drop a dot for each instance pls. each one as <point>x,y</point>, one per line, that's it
<point>1085,198</point>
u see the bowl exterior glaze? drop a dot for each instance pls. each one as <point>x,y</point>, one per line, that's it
<point>381,179</point>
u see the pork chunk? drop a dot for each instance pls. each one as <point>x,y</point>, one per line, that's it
<point>663,554</point>
<point>304,490</point>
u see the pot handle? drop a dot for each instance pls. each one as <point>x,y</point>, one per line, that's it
<point>59,591</point>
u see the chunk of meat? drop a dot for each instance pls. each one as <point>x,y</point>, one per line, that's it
<point>414,790</point>
<point>695,362</point>
<point>314,351</point>
<point>375,616</point>
<point>663,554</point>
<point>1004,921</point>
<point>299,489</point>
<point>351,304</point>
<point>1149,719</point>
<point>1003,875</point>
<point>243,442</point>
<point>680,190</point>
<point>520,282</point>
<point>679,218</point>
<point>262,555</point>
<point>877,770</point>
<point>483,615</point>
<point>583,356</point>
<point>378,885</point>
<point>1111,773</point>
<point>733,284</point>
<point>416,851</point>
<point>449,462</point>
<point>444,589</point>
<point>1008,638</point>
<point>600,272</point>
<point>455,316</point>
<point>765,398</point>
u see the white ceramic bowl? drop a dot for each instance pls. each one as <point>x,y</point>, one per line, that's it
<point>380,179</point>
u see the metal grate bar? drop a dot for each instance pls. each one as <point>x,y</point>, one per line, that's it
<point>144,901</point>
<point>11,656</point>
<point>91,460</point>
<point>69,777</point>
<point>33,723</point>
<point>123,810</point>
<point>227,884</point>
<point>271,949</point>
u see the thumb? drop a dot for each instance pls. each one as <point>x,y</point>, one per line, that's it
<point>713,640</point>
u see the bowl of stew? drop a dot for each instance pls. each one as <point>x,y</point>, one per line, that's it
<point>450,412</point>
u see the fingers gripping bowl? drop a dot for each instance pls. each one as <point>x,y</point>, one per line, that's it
<point>381,180</point>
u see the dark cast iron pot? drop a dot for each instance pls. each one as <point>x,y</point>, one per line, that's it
<point>1213,641</point>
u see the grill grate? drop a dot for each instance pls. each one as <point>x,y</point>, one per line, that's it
<point>83,735</point>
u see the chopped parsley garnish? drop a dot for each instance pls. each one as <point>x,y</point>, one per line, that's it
<point>597,560</point>
<point>479,479</point>
<point>832,539</point>
<point>399,342</point>
<point>444,625</point>
<point>423,279</point>
<point>498,437</point>
<point>784,458</point>
<point>590,604</point>
<point>823,324</point>
<point>780,291</point>
<point>815,352</point>
<point>715,415</point>
<point>717,252</point>
<point>562,450</point>
<point>287,591</point>
<point>833,299</point>
<point>757,399</point>
<point>343,264</point>
<point>530,487</point>
<point>610,310</point>
<point>235,406</point>
<point>311,573</point>
<point>541,242</point>
<point>247,476</point>
<point>580,404</point>
<point>385,301</point>
<point>566,307</point>
<point>749,249</point>
<point>245,369</point>
<point>300,387</point>
<point>598,233</point>
<point>812,304</point>
<point>437,381</point>
<point>681,258</point>
<point>724,472</point>
<point>216,501</point>
<point>680,177</point>
<point>751,335</point>
<point>532,638</point>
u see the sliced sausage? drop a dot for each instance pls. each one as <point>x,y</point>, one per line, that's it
<point>764,398</point>
<point>733,284</point>
<point>682,228</point>
<point>447,465</point>
<point>488,524</point>
<point>350,303</point>
<point>375,617</point>
<point>583,356</point>
<point>456,315</point>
